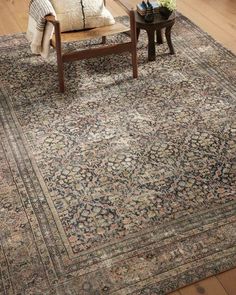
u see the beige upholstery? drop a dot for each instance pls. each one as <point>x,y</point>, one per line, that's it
<point>81,14</point>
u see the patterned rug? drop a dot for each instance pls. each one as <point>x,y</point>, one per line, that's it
<point>119,186</point>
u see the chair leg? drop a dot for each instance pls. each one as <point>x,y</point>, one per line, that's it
<point>60,66</point>
<point>135,63</point>
<point>134,44</point>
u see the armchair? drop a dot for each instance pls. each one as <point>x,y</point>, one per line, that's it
<point>59,38</point>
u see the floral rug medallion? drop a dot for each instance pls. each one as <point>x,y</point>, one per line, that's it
<point>119,186</point>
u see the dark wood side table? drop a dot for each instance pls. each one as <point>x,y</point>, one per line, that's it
<point>155,28</point>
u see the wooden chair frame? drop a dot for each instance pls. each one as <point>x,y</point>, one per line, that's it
<point>130,47</point>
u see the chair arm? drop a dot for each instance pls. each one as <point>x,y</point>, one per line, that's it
<point>51,19</point>
<point>126,5</point>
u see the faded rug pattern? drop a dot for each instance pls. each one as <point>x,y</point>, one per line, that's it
<point>119,186</point>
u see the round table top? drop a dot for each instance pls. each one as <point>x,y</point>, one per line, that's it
<point>158,19</point>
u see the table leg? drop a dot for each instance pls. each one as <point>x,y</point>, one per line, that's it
<point>151,45</point>
<point>168,39</point>
<point>159,37</point>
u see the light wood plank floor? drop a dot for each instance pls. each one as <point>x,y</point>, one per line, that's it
<point>216,17</point>
<point>222,284</point>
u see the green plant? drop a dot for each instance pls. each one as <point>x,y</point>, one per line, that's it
<point>170,4</point>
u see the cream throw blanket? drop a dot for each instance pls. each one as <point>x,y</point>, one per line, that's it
<point>39,31</point>
<point>72,14</point>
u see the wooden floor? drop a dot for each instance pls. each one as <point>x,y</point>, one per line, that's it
<point>216,17</point>
<point>222,284</point>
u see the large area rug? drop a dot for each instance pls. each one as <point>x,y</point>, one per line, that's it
<point>119,186</point>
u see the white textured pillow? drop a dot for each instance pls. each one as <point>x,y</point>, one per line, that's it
<point>81,14</point>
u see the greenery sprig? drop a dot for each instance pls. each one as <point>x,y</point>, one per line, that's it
<point>170,4</point>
